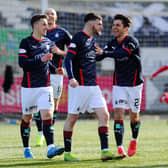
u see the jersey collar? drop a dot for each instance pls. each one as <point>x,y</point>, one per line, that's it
<point>37,39</point>
<point>86,34</point>
<point>52,28</point>
<point>122,39</point>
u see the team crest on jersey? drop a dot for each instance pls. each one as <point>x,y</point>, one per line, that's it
<point>72,45</point>
<point>22,51</point>
<point>48,47</point>
<point>35,47</point>
<point>88,42</point>
<point>105,47</point>
<point>56,35</point>
<point>113,47</point>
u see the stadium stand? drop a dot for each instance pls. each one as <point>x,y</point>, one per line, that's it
<point>150,35</point>
<point>2,20</point>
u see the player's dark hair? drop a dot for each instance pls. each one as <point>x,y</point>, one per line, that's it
<point>92,16</point>
<point>36,18</point>
<point>125,19</point>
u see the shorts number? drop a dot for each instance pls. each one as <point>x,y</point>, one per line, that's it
<point>49,98</point>
<point>136,103</point>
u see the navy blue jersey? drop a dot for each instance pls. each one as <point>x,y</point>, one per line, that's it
<point>36,73</point>
<point>80,61</point>
<point>62,38</point>
<point>128,68</point>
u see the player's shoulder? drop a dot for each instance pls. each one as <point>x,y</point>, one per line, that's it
<point>76,40</point>
<point>78,35</point>
<point>62,29</point>
<point>24,44</point>
<point>132,39</point>
<point>26,40</point>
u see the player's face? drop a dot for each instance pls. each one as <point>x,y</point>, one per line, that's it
<point>42,26</point>
<point>97,27</point>
<point>52,16</point>
<point>118,29</point>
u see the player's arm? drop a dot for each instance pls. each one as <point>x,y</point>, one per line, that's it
<point>99,52</point>
<point>68,64</point>
<point>24,60</point>
<point>52,66</point>
<point>57,50</point>
<point>31,63</point>
<point>59,70</point>
<point>119,53</point>
<point>162,69</point>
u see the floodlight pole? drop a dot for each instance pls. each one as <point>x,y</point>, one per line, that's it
<point>44,5</point>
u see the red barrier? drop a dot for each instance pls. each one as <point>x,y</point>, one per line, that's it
<point>10,102</point>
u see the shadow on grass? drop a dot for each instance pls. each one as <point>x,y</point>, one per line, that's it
<point>47,162</point>
<point>61,163</point>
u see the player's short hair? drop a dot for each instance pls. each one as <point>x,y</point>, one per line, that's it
<point>36,18</point>
<point>51,9</point>
<point>92,16</point>
<point>125,19</point>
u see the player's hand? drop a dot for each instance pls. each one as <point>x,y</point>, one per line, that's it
<point>98,50</point>
<point>56,50</point>
<point>60,71</point>
<point>47,57</point>
<point>73,83</point>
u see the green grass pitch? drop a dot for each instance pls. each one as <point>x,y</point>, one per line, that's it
<point>152,149</point>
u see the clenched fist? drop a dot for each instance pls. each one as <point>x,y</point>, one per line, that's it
<point>47,57</point>
<point>60,71</point>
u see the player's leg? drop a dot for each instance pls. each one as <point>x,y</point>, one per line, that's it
<point>48,132</point>
<point>39,124</point>
<point>28,105</point>
<point>98,104</point>
<point>103,131</point>
<point>57,84</point>
<point>68,131</point>
<point>119,100</point>
<point>46,106</point>
<point>119,130</point>
<point>25,135</point>
<point>135,126</point>
<point>76,104</point>
<point>56,104</point>
<point>135,95</point>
